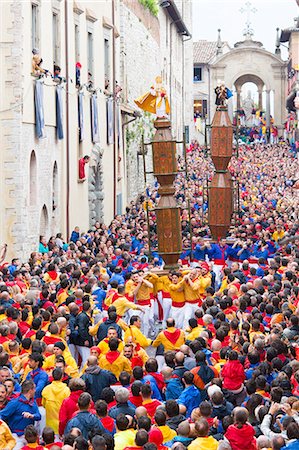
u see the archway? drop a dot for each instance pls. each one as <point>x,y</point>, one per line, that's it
<point>32,179</point>
<point>44,222</point>
<point>249,78</point>
<point>248,61</point>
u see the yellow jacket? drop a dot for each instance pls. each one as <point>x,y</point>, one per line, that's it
<point>120,364</point>
<point>52,398</point>
<point>138,337</point>
<point>71,365</point>
<point>168,433</point>
<point>104,347</point>
<point>163,283</point>
<point>194,333</point>
<point>122,304</point>
<point>7,441</point>
<point>197,289</point>
<point>144,292</point>
<point>204,443</point>
<point>124,439</point>
<point>177,295</point>
<point>167,344</point>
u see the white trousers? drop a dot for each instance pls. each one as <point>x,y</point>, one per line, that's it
<point>178,314</point>
<point>147,318</point>
<point>217,268</point>
<point>190,309</point>
<point>20,441</point>
<point>84,352</point>
<point>166,306</point>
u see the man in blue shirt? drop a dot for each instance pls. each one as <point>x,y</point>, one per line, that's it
<point>20,412</point>
<point>40,379</point>
<point>190,397</point>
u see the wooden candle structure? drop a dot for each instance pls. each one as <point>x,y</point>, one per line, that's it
<point>221,190</point>
<point>167,212</point>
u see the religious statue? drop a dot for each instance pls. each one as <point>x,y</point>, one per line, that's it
<point>37,70</point>
<point>155,101</point>
<point>248,106</point>
<point>222,94</point>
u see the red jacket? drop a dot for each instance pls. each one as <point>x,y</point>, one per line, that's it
<point>233,375</point>
<point>241,438</point>
<point>68,408</point>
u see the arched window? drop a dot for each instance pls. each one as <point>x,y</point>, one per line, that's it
<point>44,222</point>
<point>32,179</point>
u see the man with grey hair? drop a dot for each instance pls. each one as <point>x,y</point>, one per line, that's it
<point>224,445</point>
<point>263,442</point>
<point>122,404</point>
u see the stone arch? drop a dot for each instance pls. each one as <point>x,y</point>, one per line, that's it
<point>32,179</point>
<point>249,78</point>
<point>250,61</point>
<point>44,222</point>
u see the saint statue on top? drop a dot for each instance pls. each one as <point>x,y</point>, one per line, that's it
<point>155,101</point>
<point>248,106</point>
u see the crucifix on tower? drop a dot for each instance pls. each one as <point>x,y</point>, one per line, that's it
<point>248,9</point>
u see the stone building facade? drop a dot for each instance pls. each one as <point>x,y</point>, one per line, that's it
<point>39,186</point>
<point>115,40</point>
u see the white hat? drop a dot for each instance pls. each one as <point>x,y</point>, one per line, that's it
<point>212,389</point>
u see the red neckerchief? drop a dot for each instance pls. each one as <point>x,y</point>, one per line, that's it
<point>172,336</point>
<point>112,356</point>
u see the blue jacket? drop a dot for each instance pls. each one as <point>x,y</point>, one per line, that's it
<point>117,277</point>
<point>174,388</point>
<point>74,236</point>
<point>86,422</point>
<point>149,379</point>
<point>292,446</point>
<point>40,379</point>
<point>12,414</point>
<point>191,398</point>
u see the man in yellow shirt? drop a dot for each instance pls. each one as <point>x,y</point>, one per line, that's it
<point>114,361</point>
<point>52,398</point>
<point>122,304</point>
<point>278,234</point>
<point>60,349</point>
<point>176,291</point>
<point>140,289</point>
<point>171,338</point>
<point>195,284</point>
<point>133,333</point>
<point>104,344</point>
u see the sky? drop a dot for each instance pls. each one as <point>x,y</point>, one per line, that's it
<point>209,15</point>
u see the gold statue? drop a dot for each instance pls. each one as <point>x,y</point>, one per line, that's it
<point>155,101</point>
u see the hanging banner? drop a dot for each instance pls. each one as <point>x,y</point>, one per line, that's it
<point>94,119</point>
<point>59,113</point>
<point>80,116</point>
<point>110,121</point>
<point>39,109</point>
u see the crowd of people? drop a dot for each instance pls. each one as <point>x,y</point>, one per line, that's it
<point>101,349</point>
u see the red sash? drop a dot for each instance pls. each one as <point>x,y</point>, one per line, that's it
<point>51,339</point>
<point>172,336</point>
<point>112,356</point>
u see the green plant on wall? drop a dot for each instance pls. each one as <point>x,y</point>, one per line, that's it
<point>142,128</point>
<point>151,5</point>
